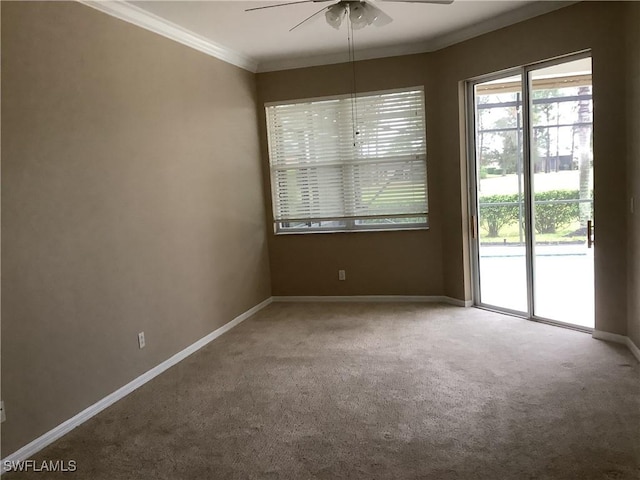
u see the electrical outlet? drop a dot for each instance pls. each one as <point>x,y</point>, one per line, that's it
<point>141,342</point>
<point>3,415</point>
<point>342,275</point>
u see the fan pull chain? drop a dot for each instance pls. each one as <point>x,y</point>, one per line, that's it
<point>352,60</point>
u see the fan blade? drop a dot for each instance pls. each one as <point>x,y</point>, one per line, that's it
<point>285,4</point>
<point>308,18</point>
<point>442,2</point>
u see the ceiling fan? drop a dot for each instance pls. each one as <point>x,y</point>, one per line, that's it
<point>360,12</point>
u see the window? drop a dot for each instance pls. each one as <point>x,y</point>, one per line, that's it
<point>329,173</point>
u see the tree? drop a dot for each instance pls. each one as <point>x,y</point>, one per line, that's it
<point>542,114</point>
<point>584,149</point>
<point>509,154</point>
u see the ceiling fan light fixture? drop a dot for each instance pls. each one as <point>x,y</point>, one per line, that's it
<point>356,15</point>
<point>361,14</point>
<point>356,11</point>
<point>334,15</point>
<point>358,24</point>
<point>371,15</point>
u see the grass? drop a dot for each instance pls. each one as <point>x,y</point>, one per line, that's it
<point>569,234</point>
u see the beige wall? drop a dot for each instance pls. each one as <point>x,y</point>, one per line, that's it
<point>436,262</point>
<point>382,263</point>
<point>132,201</point>
<point>122,152</point>
<point>633,137</point>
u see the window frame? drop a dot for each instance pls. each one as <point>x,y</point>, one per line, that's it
<point>344,224</point>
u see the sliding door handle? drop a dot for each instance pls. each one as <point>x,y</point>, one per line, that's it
<point>589,234</point>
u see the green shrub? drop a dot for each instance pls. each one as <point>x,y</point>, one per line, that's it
<point>549,217</point>
<point>494,217</point>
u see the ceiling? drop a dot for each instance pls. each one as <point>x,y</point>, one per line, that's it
<point>262,38</point>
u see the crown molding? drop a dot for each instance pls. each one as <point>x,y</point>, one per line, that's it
<point>512,17</point>
<point>137,16</point>
<point>341,57</point>
<point>521,14</point>
<point>123,10</point>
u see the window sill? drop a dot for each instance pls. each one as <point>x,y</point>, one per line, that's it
<point>350,230</point>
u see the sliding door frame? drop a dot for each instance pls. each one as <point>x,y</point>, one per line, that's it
<point>473,189</point>
<point>524,72</point>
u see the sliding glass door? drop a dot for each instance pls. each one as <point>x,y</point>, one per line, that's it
<point>562,185</point>
<point>532,208</point>
<point>501,228</point>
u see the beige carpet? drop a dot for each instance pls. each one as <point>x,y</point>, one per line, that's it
<point>374,391</point>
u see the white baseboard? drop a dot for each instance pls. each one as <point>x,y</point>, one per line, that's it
<point>609,337</point>
<point>634,348</point>
<point>375,298</point>
<point>51,436</point>
<point>621,339</point>
<point>458,302</point>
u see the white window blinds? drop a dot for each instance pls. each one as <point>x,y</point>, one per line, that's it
<point>330,171</point>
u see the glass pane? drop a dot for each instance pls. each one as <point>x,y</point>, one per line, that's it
<point>501,211</point>
<point>562,185</point>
